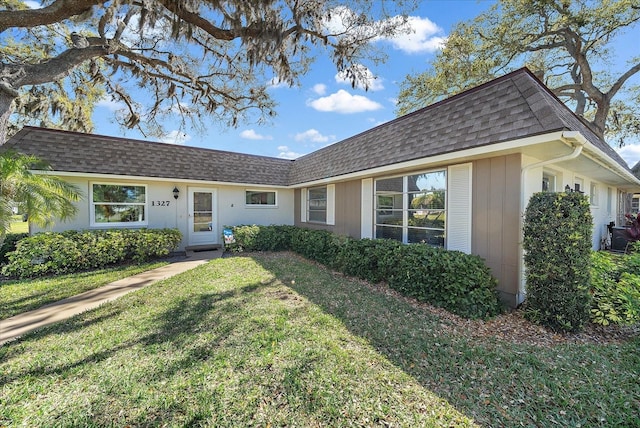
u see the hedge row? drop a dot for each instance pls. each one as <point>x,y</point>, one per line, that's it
<point>72,251</point>
<point>458,282</point>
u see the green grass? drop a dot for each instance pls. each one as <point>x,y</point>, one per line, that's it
<point>17,296</point>
<point>18,226</point>
<point>270,340</point>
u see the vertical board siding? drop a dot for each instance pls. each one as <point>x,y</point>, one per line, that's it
<point>495,220</point>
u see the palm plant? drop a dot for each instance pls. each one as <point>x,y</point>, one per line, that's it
<point>41,196</point>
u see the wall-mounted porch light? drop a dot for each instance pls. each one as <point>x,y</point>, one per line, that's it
<point>176,192</point>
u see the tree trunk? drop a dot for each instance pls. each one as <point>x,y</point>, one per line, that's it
<point>599,122</point>
<point>5,112</point>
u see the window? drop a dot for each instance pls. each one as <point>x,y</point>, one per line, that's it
<point>258,197</point>
<point>317,205</point>
<point>411,209</point>
<point>118,205</point>
<point>548,182</point>
<point>593,194</point>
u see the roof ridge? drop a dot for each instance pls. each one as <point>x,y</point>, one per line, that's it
<point>86,135</point>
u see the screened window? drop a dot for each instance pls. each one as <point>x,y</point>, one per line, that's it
<point>256,197</point>
<point>593,194</point>
<point>118,204</point>
<point>317,205</point>
<point>412,209</point>
<point>548,182</point>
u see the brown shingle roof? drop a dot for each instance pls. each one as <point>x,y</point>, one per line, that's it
<point>77,152</point>
<point>513,106</point>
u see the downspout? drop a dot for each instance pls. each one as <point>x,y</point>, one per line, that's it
<point>577,140</point>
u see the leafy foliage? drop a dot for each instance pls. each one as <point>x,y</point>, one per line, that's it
<point>615,286</point>
<point>458,282</point>
<point>557,243</point>
<point>9,244</point>
<point>72,251</point>
<point>632,231</point>
<point>569,45</point>
<point>195,59</point>
<point>42,197</point>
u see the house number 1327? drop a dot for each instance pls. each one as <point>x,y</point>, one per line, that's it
<point>160,203</point>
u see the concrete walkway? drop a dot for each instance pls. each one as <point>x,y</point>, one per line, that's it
<point>16,326</point>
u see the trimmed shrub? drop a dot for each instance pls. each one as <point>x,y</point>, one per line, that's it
<point>9,244</point>
<point>458,282</point>
<point>369,259</point>
<point>557,243</point>
<point>72,251</point>
<point>260,238</point>
<point>615,287</point>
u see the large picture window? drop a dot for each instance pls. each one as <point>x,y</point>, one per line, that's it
<point>412,209</point>
<point>118,205</point>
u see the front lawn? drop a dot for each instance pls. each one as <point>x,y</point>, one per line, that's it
<point>273,340</point>
<point>18,225</point>
<point>18,296</point>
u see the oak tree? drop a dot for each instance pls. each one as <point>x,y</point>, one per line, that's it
<point>193,58</point>
<point>569,44</point>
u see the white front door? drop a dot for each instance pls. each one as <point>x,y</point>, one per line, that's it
<point>203,229</point>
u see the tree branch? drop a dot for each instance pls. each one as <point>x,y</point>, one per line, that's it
<point>57,11</point>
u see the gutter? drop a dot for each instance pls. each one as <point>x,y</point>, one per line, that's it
<point>578,141</point>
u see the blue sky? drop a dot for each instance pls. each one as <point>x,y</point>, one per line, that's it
<point>325,109</point>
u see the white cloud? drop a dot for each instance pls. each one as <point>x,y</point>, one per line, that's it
<point>176,137</point>
<point>630,153</point>
<point>343,102</point>
<point>250,134</point>
<point>313,136</point>
<point>364,78</point>
<point>33,4</point>
<point>285,153</point>
<point>425,37</point>
<point>320,88</point>
<point>276,83</point>
<point>111,105</point>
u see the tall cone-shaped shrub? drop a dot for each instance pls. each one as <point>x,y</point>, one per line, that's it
<point>557,244</point>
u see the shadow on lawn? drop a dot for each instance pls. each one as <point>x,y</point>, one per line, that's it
<point>497,384</point>
<point>79,322</point>
<point>23,304</point>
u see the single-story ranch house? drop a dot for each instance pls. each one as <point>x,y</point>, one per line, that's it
<point>456,174</point>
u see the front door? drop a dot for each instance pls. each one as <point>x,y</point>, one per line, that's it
<point>202,222</point>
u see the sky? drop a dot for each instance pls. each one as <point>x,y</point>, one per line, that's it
<point>325,109</point>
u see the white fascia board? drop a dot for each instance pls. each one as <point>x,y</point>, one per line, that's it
<point>447,157</point>
<point>603,159</point>
<point>93,176</point>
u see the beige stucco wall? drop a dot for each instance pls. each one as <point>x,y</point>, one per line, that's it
<point>230,209</point>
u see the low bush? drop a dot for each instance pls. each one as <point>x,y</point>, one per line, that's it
<point>74,251</point>
<point>615,287</point>
<point>458,282</point>
<point>260,238</point>
<point>9,245</point>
